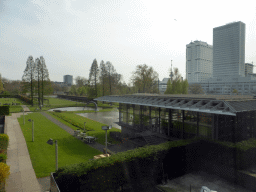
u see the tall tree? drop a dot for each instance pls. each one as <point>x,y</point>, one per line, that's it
<point>195,89</point>
<point>110,71</point>
<point>38,77</point>
<point>46,83</point>
<point>93,76</point>
<point>103,76</point>
<point>28,77</point>
<point>1,84</point>
<point>176,85</point>
<point>143,78</point>
<point>81,81</point>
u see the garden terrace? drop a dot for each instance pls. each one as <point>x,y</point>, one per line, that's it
<point>218,117</point>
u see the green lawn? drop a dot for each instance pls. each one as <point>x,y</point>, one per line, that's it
<point>42,155</point>
<point>15,109</point>
<point>96,126</point>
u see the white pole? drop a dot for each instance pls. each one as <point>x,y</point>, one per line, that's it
<point>33,130</point>
<point>106,142</point>
<point>56,154</point>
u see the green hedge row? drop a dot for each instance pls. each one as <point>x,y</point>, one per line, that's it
<point>4,141</point>
<point>71,121</point>
<point>117,170</point>
<point>5,110</point>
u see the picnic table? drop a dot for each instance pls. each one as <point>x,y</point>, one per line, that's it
<point>89,139</point>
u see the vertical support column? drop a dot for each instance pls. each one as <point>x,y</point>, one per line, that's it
<point>197,123</point>
<point>169,120</point>
<point>140,115</point>
<point>127,115</point>
<point>254,125</point>
<point>217,127</point>
<point>120,112</point>
<point>182,124</point>
<point>133,109</point>
<point>159,119</point>
<point>150,120</point>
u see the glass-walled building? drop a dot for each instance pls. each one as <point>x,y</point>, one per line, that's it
<point>230,118</point>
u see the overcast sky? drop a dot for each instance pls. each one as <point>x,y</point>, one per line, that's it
<point>70,34</point>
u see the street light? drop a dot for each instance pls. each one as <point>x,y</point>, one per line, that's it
<point>50,142</point>
<point>106,128</point>
<point>32,128</point>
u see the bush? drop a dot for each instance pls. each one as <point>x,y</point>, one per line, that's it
<point>4,110</point>
<point>3,157</point>
<point>4,172</point>
<point>4,139</point>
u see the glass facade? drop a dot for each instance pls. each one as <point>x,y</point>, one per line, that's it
<point>185,124</point>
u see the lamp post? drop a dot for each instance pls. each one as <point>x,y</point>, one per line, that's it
<point>32,128</point>
<point>50,142</point>
<point>106,128</point>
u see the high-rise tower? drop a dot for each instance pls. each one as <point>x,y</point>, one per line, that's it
<point>198,61</point>
<point>229,50</point>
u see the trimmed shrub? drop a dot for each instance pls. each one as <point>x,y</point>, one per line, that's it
<point>4,110</point>
<point>4,140</point>
<point>3,157</point>
<point>4,171</point>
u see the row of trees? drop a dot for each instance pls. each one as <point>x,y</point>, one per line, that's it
<point>36,79</point>
<point>104,80</point>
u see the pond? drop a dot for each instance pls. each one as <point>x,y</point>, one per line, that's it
<point>76,108</point>
<point>108,118</point>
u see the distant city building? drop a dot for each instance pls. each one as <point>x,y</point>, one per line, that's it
<point>229,69</point>
<point>248,69</point>
<point>62,84</point>
<point>229,50</point>
<point>198,61</point>
<point>68,79</point>
<point>163,85</point>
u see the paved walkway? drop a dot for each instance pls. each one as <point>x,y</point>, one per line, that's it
<point>22,175</point>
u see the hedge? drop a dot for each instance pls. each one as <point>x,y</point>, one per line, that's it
<point>4,172</point>
<point>5,110</point>
<point>4,141</point>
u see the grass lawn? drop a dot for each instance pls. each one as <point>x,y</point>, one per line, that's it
<point>15,109</point>
<point>96,126</point>
<point>42,155</point>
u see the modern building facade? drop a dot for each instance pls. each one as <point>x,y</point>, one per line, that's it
<point>229,70</point>
<point>163,85</point>
<point>68,79</point>
<point>229,50</point>
<point>248,69</point>
<point>199,58</point>
<point>215,117</point>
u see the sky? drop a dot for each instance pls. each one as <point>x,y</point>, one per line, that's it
<point>70,34</point>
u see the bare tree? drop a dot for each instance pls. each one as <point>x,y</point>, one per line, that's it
<point>93,76</point>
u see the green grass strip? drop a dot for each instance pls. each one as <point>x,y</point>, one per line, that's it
<point>90,125</point>
<point>42,155</point>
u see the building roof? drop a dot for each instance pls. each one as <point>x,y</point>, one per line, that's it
<point>217,104</point>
